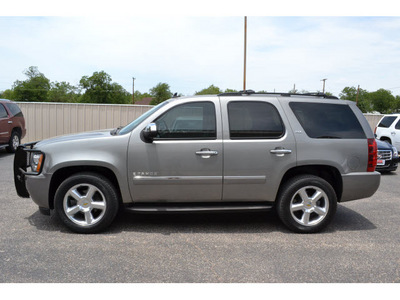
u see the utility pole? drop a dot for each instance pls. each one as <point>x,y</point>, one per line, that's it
<point>133,90</point>
<point>358,92</point>
<point>323,88</point>
<point>245,42</point>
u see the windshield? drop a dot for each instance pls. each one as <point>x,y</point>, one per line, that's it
<point>135,123</point>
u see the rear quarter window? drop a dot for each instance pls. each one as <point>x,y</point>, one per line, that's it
<point>14,109</point>
<point>327,121</point>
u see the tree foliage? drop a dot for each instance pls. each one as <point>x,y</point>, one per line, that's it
<point>382,100</point>
<point>63,92</point>
<point>350,93</point>
<point>35,88</point>
<point>160,93</point>
<point>211,90</point>
<point>99,88</point>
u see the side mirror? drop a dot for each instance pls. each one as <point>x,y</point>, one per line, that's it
<point>150,132</point>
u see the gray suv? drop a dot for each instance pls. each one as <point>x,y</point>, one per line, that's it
<point>297,154</point>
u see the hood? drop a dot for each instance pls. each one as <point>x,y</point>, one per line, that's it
<point>75,137</point>
<point>382,145</point>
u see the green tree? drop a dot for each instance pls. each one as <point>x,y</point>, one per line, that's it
<point>397,104</point>
<point>230,91</point>
<point>382,101</point>
<point>100,89</point>
<point>211,90</point>
<point>7,94</point>
<point>63,92</point>
<point>34,89</point>
<point>364,102</point>
<point>160,93</point>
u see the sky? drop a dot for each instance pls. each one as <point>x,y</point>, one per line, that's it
<point>190,51</point>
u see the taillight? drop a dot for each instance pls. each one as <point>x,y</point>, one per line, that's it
<point>372,155</point>
<point>375,130</point>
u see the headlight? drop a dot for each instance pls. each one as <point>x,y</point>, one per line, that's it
<point>395,153</point>
<point>36,161</point>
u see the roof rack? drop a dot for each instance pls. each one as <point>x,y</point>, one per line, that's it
<point>251,92</point>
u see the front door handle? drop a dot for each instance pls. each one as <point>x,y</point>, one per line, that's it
<point>206,153</point>
<point>280,151</point>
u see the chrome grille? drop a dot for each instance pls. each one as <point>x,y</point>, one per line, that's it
<point>385,154</point>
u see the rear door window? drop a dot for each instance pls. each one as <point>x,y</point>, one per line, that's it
<point>327,121</point>
<point>397,125</point>
<point>254,120</point>
<point>387,121</point>
<point>3,112</point>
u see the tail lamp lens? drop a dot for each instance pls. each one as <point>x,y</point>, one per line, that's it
<point>372,155</point>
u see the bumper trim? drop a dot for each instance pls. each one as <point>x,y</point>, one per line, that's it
<point>360,185</point>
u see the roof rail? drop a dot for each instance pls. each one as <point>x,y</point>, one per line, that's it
<point>251,92</point>
<point>240,93</point>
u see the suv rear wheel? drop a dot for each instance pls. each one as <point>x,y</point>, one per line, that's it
<point>306,204</point>
<point>86,202</point>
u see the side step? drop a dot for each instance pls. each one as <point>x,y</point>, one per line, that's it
<point>198,207</point>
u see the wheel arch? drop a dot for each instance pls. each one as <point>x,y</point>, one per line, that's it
<point>385,138</point>
<point>18,130</point>
<point>328,173</point>
<point>61,174</point>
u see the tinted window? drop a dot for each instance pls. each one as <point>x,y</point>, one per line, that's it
<point>254,120</point>
<point>14,109</point>
<point>387,121</point>
<point>323,120</point>
<point>3,112</point>
<point>188,121</point>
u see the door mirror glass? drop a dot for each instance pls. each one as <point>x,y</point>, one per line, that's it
<point>150,132</point>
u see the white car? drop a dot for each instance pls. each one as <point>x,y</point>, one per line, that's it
<point>388,129</point>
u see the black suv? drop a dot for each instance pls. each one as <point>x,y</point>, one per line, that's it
<point>388,157</point>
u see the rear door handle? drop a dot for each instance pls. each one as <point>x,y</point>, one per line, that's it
<point>206,153</point>
<point>9,122</point>
<point>280,151</point>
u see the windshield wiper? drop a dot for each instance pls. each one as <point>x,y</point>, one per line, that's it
<point>116,130</point>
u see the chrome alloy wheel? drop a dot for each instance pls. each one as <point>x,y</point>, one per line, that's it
<point>84,204</point>
<point>309,206</point>
<point>15,142</point>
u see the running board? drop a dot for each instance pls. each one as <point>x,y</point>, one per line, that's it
<point>198,208</point>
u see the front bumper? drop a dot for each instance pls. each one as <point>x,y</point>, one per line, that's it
<point>29,184</point>
<point>360,185</point>
<point>390,165</point>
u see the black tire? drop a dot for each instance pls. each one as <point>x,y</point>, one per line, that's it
<point>14,142</point>
<point>299,211</point>
<point>92,202</point>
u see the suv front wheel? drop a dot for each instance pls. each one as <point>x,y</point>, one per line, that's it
<point>14,142</point>
<point>306,204</point>
<point>86,202</point>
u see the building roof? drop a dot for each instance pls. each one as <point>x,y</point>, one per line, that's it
<point>144,101</point>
